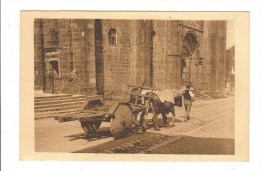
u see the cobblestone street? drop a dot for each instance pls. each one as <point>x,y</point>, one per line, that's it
<point>210,131</point>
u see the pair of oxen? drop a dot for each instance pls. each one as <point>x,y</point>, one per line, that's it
<point>157,106</point>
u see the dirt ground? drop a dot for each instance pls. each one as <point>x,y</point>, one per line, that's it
<point>210,131</point>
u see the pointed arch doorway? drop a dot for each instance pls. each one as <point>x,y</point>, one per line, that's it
<point>189,44</point>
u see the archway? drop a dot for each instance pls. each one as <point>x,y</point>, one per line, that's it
<point>52,66</point>
<point>189,44</point>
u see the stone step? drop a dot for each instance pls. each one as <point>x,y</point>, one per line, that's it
<point>52,96</point>
<point>55,104</point>
<point>58,98</point>
<point>40,115</point>
<point>76,107</point>
<point>57,101</point>
<point>36,100</point>
<point>56,112</point>
<point>52,105</point>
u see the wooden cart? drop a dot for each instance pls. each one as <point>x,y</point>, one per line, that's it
<point>121,115</point>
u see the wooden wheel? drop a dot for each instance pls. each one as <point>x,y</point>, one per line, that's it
<point>90,126</point>
<point>122,120</point>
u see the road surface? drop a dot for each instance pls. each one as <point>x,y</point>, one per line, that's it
<point>210,131</point>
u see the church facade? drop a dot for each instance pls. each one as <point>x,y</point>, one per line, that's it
<point>78,56</point>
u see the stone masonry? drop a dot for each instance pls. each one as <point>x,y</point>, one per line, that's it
<point>76,56</point>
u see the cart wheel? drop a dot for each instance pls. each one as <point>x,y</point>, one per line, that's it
<point>90,126</point>
<point>122,120</point>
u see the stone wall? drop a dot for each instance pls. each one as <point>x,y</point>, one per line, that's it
<point>215,54</point>
<point>116,56</point>
<point>129,60</point>
<point>146,51</point>
<point>70,43</point>
<point>38,55</point>
<point>159,54</point>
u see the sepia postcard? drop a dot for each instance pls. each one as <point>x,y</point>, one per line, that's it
<point>134,86</point>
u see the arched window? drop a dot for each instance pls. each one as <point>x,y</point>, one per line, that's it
<point>112,36</point>
<point>54,37</point>
<point>189,43</point>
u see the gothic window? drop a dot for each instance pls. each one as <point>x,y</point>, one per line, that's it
<point>54,37</point>
<point>112,36</point>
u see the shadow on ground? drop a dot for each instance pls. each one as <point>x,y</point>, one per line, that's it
<point>103,132</point>
<point>135,141</point>
<point>197,145</point>
<point>144,143</point>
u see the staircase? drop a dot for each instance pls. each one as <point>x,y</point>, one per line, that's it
<point>53,105</point>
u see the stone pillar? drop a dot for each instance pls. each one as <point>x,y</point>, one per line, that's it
<point>216,55</point>
<point>89,61</point>
<point>159,54</point>
<point>143,40</point>
<point>221,55</point>
<point>204,48</point>
<point>212,55</point>
<point>39,65</point>
<point>148,64</point>
<point>99,54</point>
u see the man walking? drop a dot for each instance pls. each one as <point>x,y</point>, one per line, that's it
<point>187,102</point>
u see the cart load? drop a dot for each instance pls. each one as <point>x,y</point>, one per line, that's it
<point>121,115</point>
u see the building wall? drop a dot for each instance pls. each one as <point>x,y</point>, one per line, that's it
<point>159,54</point>
<point>127,61</point>
<point>168,54</point>
<point>215,54</point>
<point>38,55</point>
<point>72,46</point>
<point>116,56</point>
<point>230,65</point>
<point>146,52</point>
